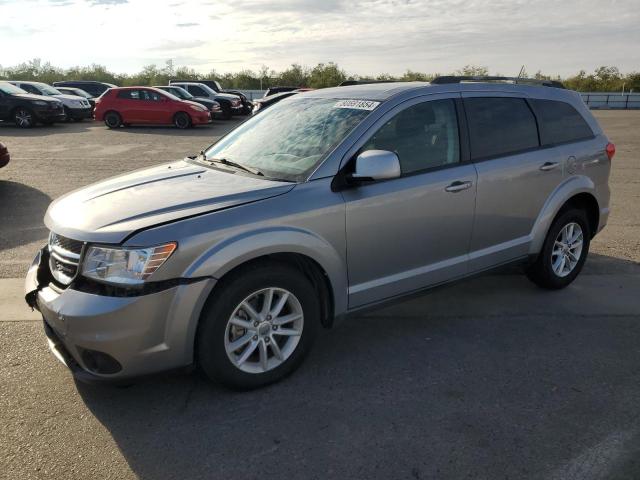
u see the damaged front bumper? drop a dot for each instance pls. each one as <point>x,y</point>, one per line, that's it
<point>110,338</point>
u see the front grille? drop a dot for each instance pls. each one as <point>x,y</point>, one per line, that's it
<point>64,243</point>
<point>64,258</point>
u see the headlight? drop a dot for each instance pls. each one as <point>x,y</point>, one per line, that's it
<point>198,109</point>
<point>40,102</point>
<point>126,266</point>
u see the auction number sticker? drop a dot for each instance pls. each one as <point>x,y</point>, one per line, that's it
<point>357,104</point>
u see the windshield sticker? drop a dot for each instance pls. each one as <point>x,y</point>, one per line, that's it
<point>357,104</point>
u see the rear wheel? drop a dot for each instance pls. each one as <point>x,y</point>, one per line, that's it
<point>182,120</point>
<point>23,117</point>
<point>258,327</point>
<point>112,119</point>
<point>564,251</point>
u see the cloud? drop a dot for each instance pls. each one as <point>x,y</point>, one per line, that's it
<point>107,2</point>
<point>187,24</point>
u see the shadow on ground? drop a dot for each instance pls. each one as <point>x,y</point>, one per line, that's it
<point>432,393</point>
<point>215,126</point>
<point>41,130</point>
<point>21,210</point>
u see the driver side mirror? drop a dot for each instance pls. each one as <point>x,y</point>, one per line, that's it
<point>376,165</point>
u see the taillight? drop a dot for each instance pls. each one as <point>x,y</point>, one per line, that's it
<point>611,150</point>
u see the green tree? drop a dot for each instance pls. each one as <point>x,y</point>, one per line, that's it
<point>326,75</point>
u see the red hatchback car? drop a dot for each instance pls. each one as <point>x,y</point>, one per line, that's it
<point>127,105</point>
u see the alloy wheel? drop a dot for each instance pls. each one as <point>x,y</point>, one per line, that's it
<point>567,249</point>
<point>23,118</point>
<point>264,330</point>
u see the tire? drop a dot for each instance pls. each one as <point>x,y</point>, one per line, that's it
<point>24,117</point>
<point>251,285</point>
<point>112,119</point>
<point>226,111</point>
<point>568,261</point>
<point>182,120</point>
<point>67,112</point>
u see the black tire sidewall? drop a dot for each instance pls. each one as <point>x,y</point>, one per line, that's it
<point>548,275</point>
<point>111,114</point>
<point>177,118</point>
<point>211,355</point>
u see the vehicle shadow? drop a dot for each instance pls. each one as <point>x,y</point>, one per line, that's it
<point>417,391</point>
<point>216,126</point>
<point>21,211</point>
<point>41,130</point>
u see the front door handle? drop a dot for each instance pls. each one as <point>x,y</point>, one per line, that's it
<point>546,166</point>
<point>458,186</point>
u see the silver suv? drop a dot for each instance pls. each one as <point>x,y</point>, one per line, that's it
<point>329,202</point>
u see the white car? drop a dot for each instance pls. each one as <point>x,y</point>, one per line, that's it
<point>76,108</point>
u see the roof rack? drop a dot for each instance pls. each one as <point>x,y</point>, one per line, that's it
<point>348,83</point>
<point>516,80</point>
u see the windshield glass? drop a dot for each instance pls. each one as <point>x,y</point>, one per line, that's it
<point>78,92</point>
<point>290,139</point>
<point>47,90</point>
<point>180,92</point>
<point>10,89</point>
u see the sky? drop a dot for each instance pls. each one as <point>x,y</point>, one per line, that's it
<point>362,36</point>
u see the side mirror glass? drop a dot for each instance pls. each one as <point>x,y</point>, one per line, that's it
<point>376,165</point>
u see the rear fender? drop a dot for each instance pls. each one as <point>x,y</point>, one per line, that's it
<point>569,188</point>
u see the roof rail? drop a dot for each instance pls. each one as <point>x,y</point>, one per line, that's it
<point>517,80</point>
<point>348,83</point>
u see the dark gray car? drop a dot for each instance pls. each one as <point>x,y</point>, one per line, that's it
<point>329,202</point>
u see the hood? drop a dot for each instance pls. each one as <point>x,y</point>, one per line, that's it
<point>109,211</point>
<point>192,102</point>
<point>33,96</point>
<point>228,96</point>
<point>66,96</point>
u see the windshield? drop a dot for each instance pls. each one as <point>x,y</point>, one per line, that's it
<point>47,90</point>
<point>290,139</point>
<point>10,89</point>
<point>77,92</point>
<point>180,92</point>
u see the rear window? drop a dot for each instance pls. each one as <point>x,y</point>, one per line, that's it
<point>500,126</point>
<point>560,122</point>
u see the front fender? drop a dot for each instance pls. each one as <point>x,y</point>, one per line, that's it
<point>570,187</point>
<point>236,250</point>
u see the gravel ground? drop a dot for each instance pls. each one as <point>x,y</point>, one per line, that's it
<point>491,378</point>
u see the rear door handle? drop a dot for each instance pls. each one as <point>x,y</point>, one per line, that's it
<point>545,167</point>
<point>458,186</point>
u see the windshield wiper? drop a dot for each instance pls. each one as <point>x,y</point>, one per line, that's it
<point>231,163</point>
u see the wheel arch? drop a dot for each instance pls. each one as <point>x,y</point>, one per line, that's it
<point>312,255</point>
<point>579,192</point>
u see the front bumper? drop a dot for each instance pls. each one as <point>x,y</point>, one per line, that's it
<point>81,113</point>
<point>50,115</point>
<point>107,338</point>
<point>200,118</point>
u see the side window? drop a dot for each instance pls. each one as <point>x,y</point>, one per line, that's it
<point>423,136</point>
<point>129,94</point>
<point>560,122</point>
<point>30,88</point>
<point>499,126</point>
<point>197,91</point>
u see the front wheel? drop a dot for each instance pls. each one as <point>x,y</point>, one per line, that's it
<point>564,251</point>
<point>182,120</point>
<point>258,326</point>
<point>24,118</point>
<point>226,112</point>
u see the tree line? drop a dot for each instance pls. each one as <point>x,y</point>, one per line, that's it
<point>603,79</point>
